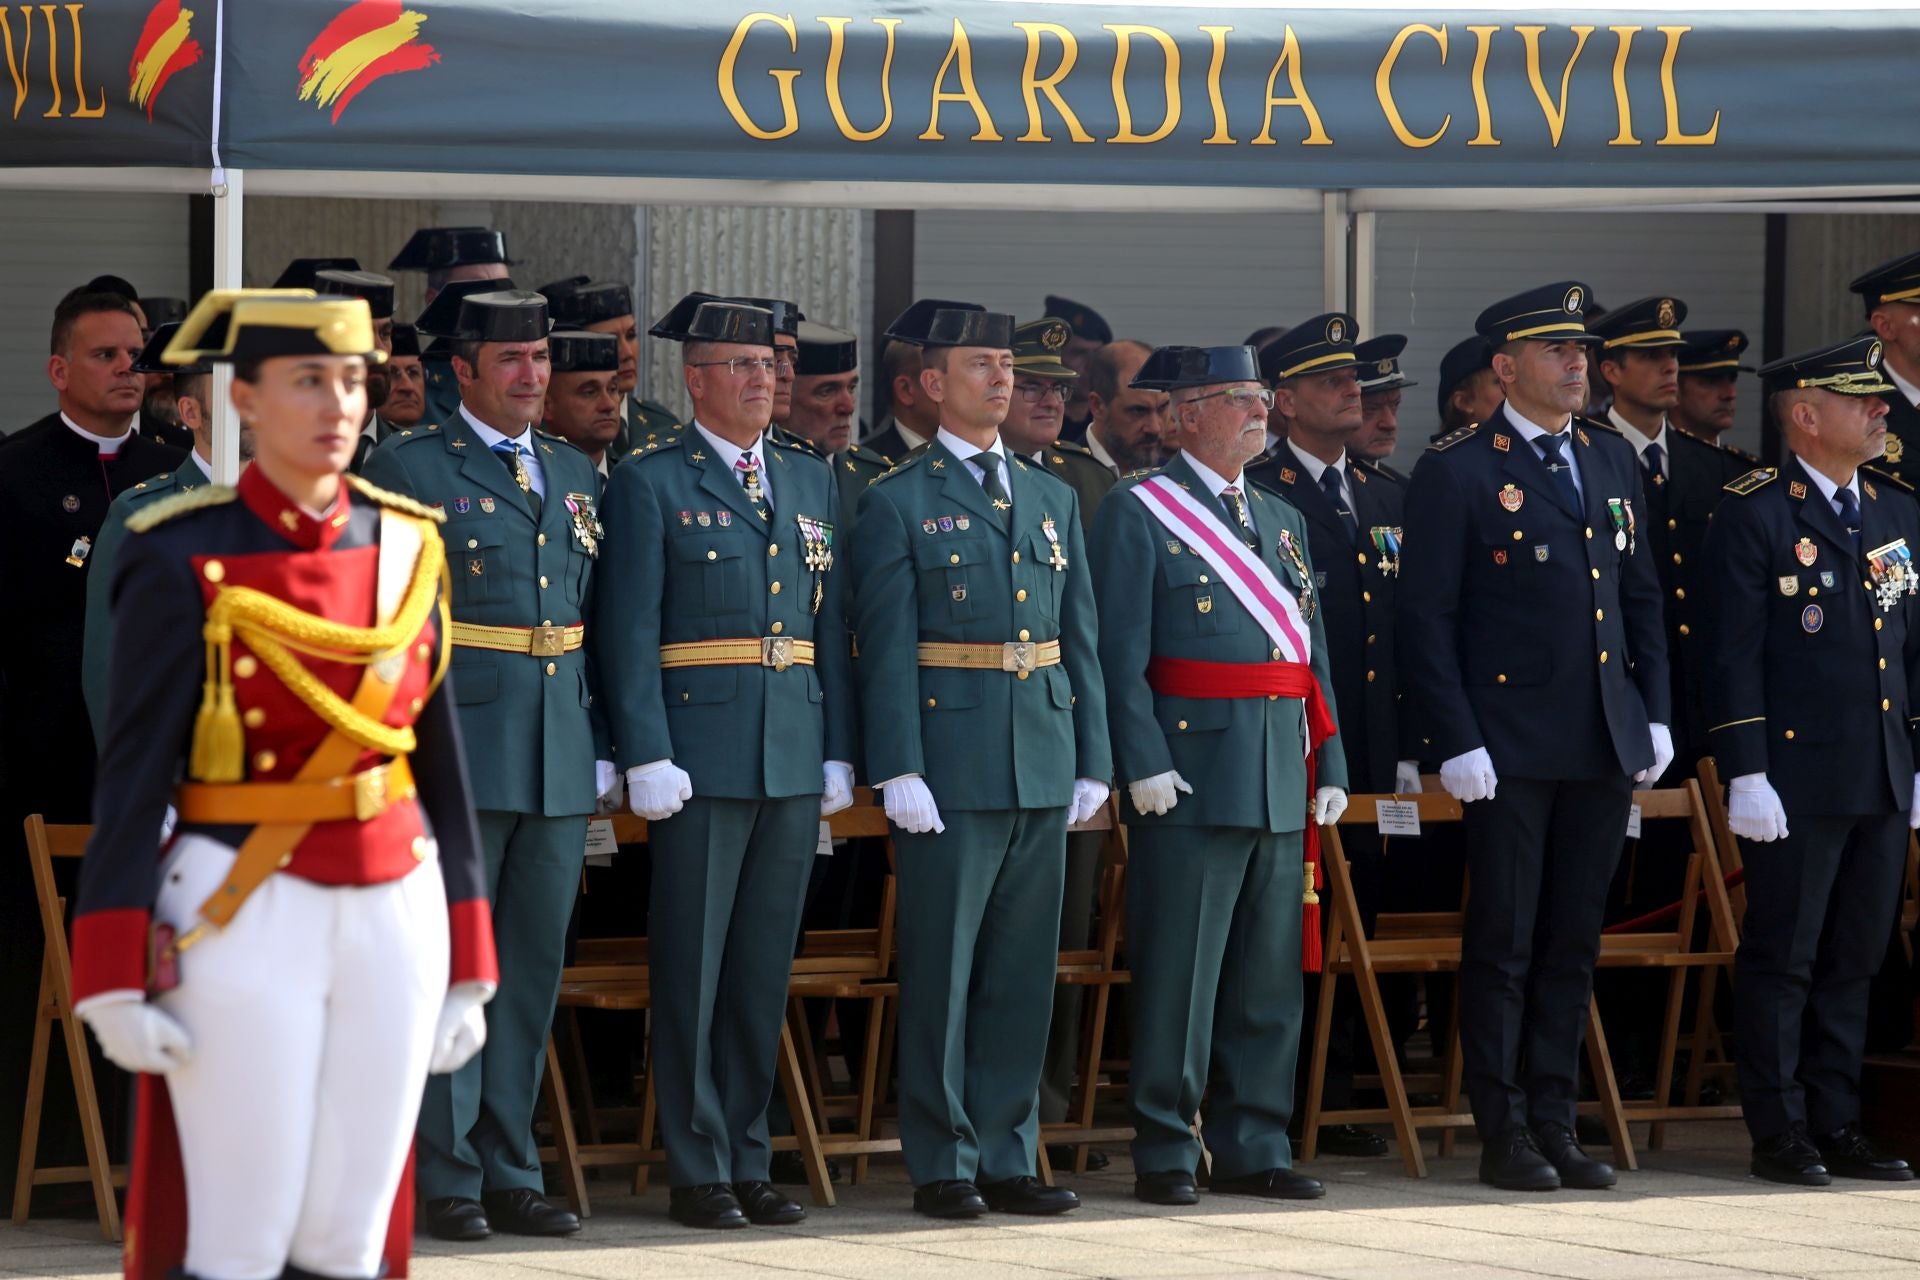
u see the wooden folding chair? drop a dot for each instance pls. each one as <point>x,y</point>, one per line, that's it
<point>55,1005</point>
<point>1425,942</point>
<point>1713,791</point>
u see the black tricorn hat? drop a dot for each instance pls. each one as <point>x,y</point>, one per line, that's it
<point>437,248</point>
<point>1169,368</point>
<point>502,315</point>
<point>578,301</point>
<point>149,360</point>
<point>406,341</point>
<point>441,319</point>
<point>577,351</point>
<point>673,325</point>
<point>300,272</point>
<point>936,322</point>
<point>371,285</point>
<point>826,351</point>
<point>786,315</point>
<point>721,321</point>
<point>164,310</point>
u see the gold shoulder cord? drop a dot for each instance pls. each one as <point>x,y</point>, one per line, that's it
<point>276,631</point>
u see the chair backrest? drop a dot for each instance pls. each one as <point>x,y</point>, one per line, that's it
<point>45,843</point>
<point>1727,849</point>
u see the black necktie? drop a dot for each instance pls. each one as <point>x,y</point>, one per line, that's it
<point>1651,459</point>
<point>991,482</point>
<point>1330,485</point>
<point>1849,515</point>
<point>1561,470</point>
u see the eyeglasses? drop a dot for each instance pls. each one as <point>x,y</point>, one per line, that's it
<point>1034,392</point>
<point>784,361</point>
<point>738,365</point>
<point>1239,398</point>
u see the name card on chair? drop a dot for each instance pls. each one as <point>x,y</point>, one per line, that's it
<point>601,845</point>
<point>1397,817</point>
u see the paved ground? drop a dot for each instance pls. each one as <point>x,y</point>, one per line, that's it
<point>1690,1212</point>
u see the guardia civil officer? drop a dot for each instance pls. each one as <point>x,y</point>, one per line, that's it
<point>985,730</point>
<point>724,651</point>
<point>1891,294</point>
<point>1215,652</point>
<point>471,256</point>
<point>824,407</point>
<point>606,307</point>
<point>583,398</point>
<point>1353,514</point>
<point>1813,686</point>
<point>523,533</point>
<point>1534,658</point>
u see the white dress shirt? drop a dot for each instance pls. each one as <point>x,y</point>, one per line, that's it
<point>536,473</point>
<point>1640,440</point>
<point>729,453</point>
<point>1907,389</point>
<point>966,452</point>
<point>1316,468</point>
<point>1829,490</point>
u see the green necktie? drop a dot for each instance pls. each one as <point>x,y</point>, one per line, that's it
<point>996,490</point>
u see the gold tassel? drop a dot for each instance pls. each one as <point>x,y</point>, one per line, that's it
<point>1307,895</point>
<point>219,747</point>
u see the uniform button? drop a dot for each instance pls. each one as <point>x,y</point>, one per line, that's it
<point>933,702</point>
<point>543,582</point>
<point>1519,536</point>
<point>214,571</point>
<point>472,543</point>
<point>1021,595</point>
<point>419,848</point>
<point>1599,615</point>
<point>286,860</point>
<point>1676,557</point>
<point>1276,655</point>
<point>684,695</point>
<point>1370,640</point>
<point>1369,677</point>
<point>415,705</point>
<point>773,549</point>
<point>540,540</point>
<point>1866,584</point>
<point>1183,724</point>
<point>773,589</point>
<point>546,622</point>
<point>422,652</point>
<point>713,555</point>
<point>1789,735</point>
<point>1685,630</point>
<point>1204,579</point>
<point>1366,597</point>
<point>1016,557</point>
<point>778,627</point>
<point>1589,531</point>
<point>1679,593</point>
<point>245,666</point>
<point>1273,697</point>
<point>551,668</point>
<point>1673,524</point>
<point>1603,657</point>
<point>1362,557</point>
<point>1876,627</point>
<point>1024,633</point>
<point>255,717</point>
<point>1595,573</point>
<point>263,761</point>
<point>1886,705</point>
<point>1883,664</point>
<point>954,558</point>
<point>1813,591</point>
<point>1021,675</point>
<point>1501,678</point>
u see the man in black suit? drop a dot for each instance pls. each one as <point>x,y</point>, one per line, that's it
<point>1383,383</point>
<point>1710,372</point>
<point>1814,691</point>
<point>1353,533</point>
<point>1533,652</point>
<point>1891,293</point>
<point>912,419</point>
<point>58,475</point>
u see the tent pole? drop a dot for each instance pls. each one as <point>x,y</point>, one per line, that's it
<point>228,215</point>
<point>1334,220</point>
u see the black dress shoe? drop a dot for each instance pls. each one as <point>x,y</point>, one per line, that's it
<point>1791,1158</point>
<point>456,1218</point>
<point>1350,1140</point>
<point>1575,1167</point>
<point>525,1212</point>
<point>1027,1194</point>
<point>1170,1186</point>
<point>710,1205</point>
<point>1513,1161</point>
<point>952,1198</point>
<point>1847,1154</point>
<point>766,1205</point>
<point>1271,1184</point>
<point>788,1170</point>
<point>1060,1155</point>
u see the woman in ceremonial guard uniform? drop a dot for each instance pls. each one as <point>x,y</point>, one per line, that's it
<point>315,938</point>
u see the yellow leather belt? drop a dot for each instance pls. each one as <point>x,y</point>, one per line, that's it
<point>778,652</point>
<point>540,642</point>
<point>1019,656</point>
<point>360,796</point>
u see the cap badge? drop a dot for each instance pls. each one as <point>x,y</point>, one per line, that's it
<point>1055,337</point>
<point>1874,352</point>
<point>1663,314</point>
<point>1385,368</point>
<point>1575,297</point>
<point>1336,331</point>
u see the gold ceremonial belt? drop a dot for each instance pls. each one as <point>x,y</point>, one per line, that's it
<point>778,652</point>
<point>361,796</point>
<point>1019,656</point>
<point>541,642</point>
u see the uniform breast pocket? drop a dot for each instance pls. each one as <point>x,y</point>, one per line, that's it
<point>1198,602</point>
<point>482,573</point>
<point>952,573</point>
<point>717,567</point>
<point>1041,583</point>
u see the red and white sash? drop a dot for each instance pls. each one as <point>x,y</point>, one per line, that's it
<point>1254,585</point>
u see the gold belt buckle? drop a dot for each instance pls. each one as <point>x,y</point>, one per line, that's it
<point>1017,655</point>
<point>547,642</point>
<point>776,652</point>
<point>370,793</point>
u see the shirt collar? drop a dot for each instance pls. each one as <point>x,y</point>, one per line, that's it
<point>490,437</point>
<point>198,463</point>
<point>1529,429</point>
<point>913,439</point>
<point>1828,488</point>
<point>965,452</point>
<point>1099,451</point>
<point>1907,389</point>
<point>1211,479</point>
<point>730,453</point>
<point>1313,466</point>
<point>105,444</point>
<point>1638,438</point>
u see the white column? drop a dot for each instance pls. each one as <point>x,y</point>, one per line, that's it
<point>1360,288</point>
<point>1334,229</point>
<point>228,219</point>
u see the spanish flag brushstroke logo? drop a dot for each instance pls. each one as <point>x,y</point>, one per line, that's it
<point>164,49</point>
<point>373,38</point>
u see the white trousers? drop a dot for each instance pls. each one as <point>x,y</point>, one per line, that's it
<point>312,1019</point>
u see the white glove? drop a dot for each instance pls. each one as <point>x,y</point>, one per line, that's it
<point>1469,777</point>
<point>167,824</point>
<point>1328,804</point>
<point>136,1035</point>
<point>1406,778</point>
<point>1088,796</point>
<point>836,787</point>
<point>910,805</point>
<point>1662,754</point>
<point>462,1029</point>
<point>605,778</point>
<point>1754,809</point>
<point>1913,811</point>
<point>1155,795</point>
<point>657,790</point>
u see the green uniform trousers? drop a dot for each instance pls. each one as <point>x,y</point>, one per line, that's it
<point>476,1125</point>
<point>1077,909</point>
<point>979,910</point>
<point>729,884</point>
<point>1213,935</point>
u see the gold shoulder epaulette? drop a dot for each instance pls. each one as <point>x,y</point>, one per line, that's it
<point>1597,424</point>
<point>1453,438</point>
<point>799,444</point>
<point>1889,478</point>
<point>398,501</point>
<point>212,495</point>
<point>653,446</point>
<point>1754,479</point>
<point>1073,446</point>
<point>901,466</point>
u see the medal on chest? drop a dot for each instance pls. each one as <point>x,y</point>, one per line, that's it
<point>1620,512</point>
<point>1291,550</point>
<point>584,523</point>
<point>1054,558</point>
<point>1386,545</point>
<point>816,543</point>
<point>1893,573</point>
